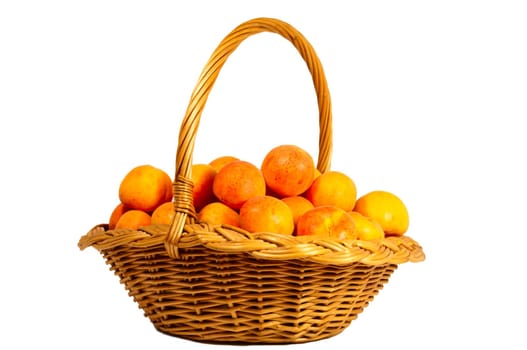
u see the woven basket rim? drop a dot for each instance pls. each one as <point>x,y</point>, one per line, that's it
<point>263,245</point>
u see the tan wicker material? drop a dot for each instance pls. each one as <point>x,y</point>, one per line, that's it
<point>222,284</point>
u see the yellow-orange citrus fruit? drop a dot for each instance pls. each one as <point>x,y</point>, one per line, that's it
<point>266,214</point>
<point>238,181</point>
<point>288,170</point>
<point>366,228</point>
<point>333,188</point>
<point>298,205</point>
<point>145,188</point>
<point>219,162</point>
<point>326,221</point>
<point>202,178</point>
<point>116,214</point>
<point>164,214</point>
<point>386,209</point>
<point>217,213</point>
<point>133,219</point>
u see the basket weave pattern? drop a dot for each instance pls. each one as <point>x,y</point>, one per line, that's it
<point>223,284</point>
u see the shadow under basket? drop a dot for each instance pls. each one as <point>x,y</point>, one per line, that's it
<point>221,284</point>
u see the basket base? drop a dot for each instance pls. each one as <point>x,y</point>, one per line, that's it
<point>235,299</point>
<point>277,342</point>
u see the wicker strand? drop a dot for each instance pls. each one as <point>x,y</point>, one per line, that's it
<point>184,210</point>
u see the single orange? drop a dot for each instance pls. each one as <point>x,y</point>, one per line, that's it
<point>238,181</point>
<point>164,214</point>
<point>116,214</point>
<point>133,219</point>
<point>367,229</point>
<point>266,214</point>
<point>288,170</point>
<point>202,179</point>
<point>217,213</point>
<point>326,222</point>
<point>386,209</point>
<point>220,162</point>
<point>298,205</point>
<point>145,188</point>
<point>333,188</point>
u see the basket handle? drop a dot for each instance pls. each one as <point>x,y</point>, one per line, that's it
<point>184,208</point>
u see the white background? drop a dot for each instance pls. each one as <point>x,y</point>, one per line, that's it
<point>429,102</point>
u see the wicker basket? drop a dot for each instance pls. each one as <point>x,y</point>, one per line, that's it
<point>222,284</point>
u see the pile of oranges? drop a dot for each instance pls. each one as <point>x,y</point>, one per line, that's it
<point>286,194</point>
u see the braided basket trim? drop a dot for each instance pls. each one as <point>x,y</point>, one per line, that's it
<point>265,245</point>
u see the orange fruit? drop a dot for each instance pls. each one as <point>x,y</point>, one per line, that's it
<point>116,214</point>
<point>326,221</point>
<point>288,170</point>
<point>163,214</point>
<point>145,188</point>
<point>133,219</point>
<point>266,214</point>
<point>202,178</point>
<point>298,205</point>
<point>238,181</point>
<point>221,161</point>
<point>367,229</point>
<point>333,188</point>
<point>386,209</point>
<point>217,213</point>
